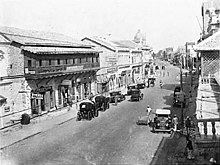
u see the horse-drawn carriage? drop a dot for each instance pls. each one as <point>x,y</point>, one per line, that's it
<point>89,109</point>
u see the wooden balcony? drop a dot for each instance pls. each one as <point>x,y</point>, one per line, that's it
<point>34,72</point>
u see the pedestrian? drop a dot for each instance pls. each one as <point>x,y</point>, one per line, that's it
<point>189,148</point>
<point>175,122</point>
<point>148,110</point>
<point>177,77</point>
<point>168,73</point>
<point>188,124</point>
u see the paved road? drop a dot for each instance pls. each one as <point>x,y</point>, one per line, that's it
<point>112,138</point>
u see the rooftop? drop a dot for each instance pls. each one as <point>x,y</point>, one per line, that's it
<point>30,37</point>
<point>211,43</point>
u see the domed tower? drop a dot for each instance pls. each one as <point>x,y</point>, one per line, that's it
<point>140,38</point>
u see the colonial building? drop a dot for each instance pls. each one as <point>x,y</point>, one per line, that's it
<point>211,16</point>
<point>122,62</point>
<point>208,100</point>
<point>106,76</point>
<point>39,74</point>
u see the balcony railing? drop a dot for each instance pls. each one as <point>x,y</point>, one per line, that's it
<point>208,127</point>
<point>60,68</point>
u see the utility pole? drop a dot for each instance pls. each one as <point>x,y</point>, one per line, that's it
<point>182,97</point>
<point>181,74</point>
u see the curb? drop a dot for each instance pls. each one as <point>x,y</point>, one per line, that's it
<point>20,140</point>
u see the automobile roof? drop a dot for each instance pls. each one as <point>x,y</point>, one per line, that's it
<point>135,89</point>
<point>115,91</point>
<point>163,111</point>
<point>86,101</point>
<point>132,84</point>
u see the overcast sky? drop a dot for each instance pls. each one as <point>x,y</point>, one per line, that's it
<point>165,22</point>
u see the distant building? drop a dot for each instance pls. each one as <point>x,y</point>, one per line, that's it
<point>211,16</point>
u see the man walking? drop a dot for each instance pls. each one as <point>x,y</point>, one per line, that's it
<point>148,110</point>
<point>175,121</point>
<point>188,124</point>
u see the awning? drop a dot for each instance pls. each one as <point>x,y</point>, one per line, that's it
<point>217,77</point>
<point>124,72</point>
<point>2,98</point>
<point>136,66</point>
<point>210,44</point>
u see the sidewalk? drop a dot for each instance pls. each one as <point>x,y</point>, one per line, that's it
<point>17,133</point>
<point>172,149</point>
<point>20,132</point>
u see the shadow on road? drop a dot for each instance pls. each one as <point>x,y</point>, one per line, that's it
<point>169,86</point>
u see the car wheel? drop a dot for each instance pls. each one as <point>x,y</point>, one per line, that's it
<point>96,113</point>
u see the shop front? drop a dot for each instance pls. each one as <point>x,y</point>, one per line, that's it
<point>64,92</point>
<point>124,76</point>
<point>136,73</point>
<point>42,100</point>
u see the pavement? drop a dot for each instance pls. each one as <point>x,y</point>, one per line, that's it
<point>37,125</point>
<point>172,149</point>
<point>18,132</point>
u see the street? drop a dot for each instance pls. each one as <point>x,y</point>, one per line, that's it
<point>112,138</point>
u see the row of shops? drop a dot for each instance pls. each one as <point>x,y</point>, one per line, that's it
<point>109,79</point>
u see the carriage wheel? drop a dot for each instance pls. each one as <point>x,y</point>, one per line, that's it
<point>78,117</point>
<point>96,113</point>
<point>89,116</point>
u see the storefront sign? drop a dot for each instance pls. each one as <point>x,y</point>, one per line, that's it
<point>50,69</point>
<point>67,82</point>
<point>43,89</point>
<point>37,96</point>
<point>111,70</point>
<point>74,68</point>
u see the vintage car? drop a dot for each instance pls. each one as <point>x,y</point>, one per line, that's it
<point>162,121</point>
<point>151,82</point>
<point>179,97</point>
<point>101,102</point>
<point>130,87</point>
<point>177,89</point>
<point>136,95</point>
<point>87,110</point>
<point>140,85</point>
<point>116,94</point>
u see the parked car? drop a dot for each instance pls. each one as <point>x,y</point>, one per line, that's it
<point>116,94</point>
<point>130,87</point>
<point>179,97</point>
<point>101,102</point>
<point>141,85</point>
<point>151,82</point>
<point>136,95</point>
<point>177,89</point>
<point>87,110</point>
<point>162,121</point>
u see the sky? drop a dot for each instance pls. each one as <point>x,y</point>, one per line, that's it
<point>166,23</point>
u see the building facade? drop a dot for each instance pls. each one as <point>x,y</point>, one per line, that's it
<point>41,75</point>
